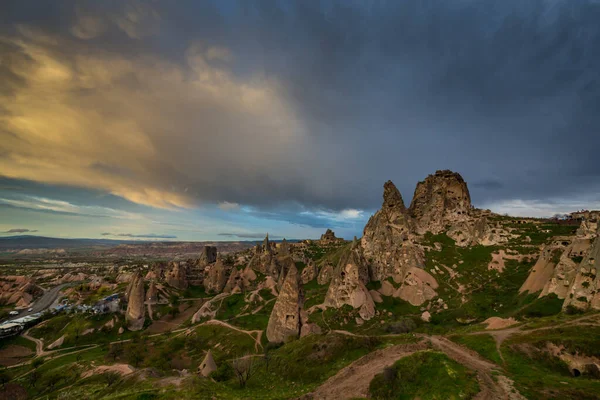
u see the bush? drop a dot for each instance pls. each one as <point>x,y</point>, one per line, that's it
<point>223,373</point>
<point>405,325</point>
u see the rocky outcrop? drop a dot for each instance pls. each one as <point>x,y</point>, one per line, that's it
<point>309,272</point>
<point>418,287</point>
<point>388,242</point>
<point>263,259</point>
<point>152,294</point>
<point>135,315</point>
<point>216,278</point>
<point>236,282</point>
<point>176,275</point>
<point>584,293</point>
<point>325,274</point>
<point>18,290</point>
<point>329,238</point>
<point>208,255</point>
<point>283,248</point>
<point>208,365</point>
<point>441,199</point>
<point>286,318</point>
<point>348,284</point>
<point>57,343</point>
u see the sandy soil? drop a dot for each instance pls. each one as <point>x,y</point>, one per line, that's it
<point>499,323</point>
<point>13,354</point>
<point>123,369</point>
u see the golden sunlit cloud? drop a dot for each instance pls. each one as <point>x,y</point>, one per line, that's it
<point>139,127</point>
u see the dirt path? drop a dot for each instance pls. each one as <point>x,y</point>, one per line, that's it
<point>39,345</point>
<point>257,343</point>
<point>353,380</point>
<point>500,335</point>
<point>490,388</point>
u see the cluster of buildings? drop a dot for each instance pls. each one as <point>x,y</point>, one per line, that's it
<point>17,325</point>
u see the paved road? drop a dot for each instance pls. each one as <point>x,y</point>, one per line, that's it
<point>43,302</point>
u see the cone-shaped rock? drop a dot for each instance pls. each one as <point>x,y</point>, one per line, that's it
<point>441,199</point>
<point>176,275</point>
<point>152,295</point>
<point>216,278</point>
<point>348,284</point>
<point>135,304</point>
<point>386,240</point>
<point>585,290</point>
<point>208,365</point>
<point>286,317</point>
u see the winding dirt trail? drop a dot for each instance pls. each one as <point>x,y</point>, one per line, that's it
<point>257,343</point>
<point>353,380</point>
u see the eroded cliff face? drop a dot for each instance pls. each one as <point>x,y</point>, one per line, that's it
<point>136,311</point>
<point>584,293</point>
<point>441,199</point>
<point>348,284</point>
<point>388,241</point>
<point>216,277</point>
<point>287,316</point>
<point>176,275</point>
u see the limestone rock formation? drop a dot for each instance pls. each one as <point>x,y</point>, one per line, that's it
<point>286,317</point>
<point>135,303</point>
<point>309,272</point>
<point>208,365</point>
<point>216,278</point>
<point>418,287</point>
<point>57,343</point>
<point>348,284</point>
<point>284,248</point>
<point>441,199</point>
<point>176,275</point>
<point>325,274</point>
<point>329,238</point>
<point>387,241</point>
<point>152,294</point>
<point>584,293</point>
<point>263,258</point>
<point>235,283</point>
<point>208,255</point>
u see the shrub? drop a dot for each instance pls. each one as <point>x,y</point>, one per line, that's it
<point>405,325</point>
<point>223,373</point>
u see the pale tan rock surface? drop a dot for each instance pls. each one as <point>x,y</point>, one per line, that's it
<point>208,365</point>
<point>286,317</point>
<point>348,284</point>
<point>176,275</point>
<point>135,315</point>
<point>216,278</point>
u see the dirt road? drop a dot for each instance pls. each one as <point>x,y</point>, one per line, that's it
<point>353,381</point>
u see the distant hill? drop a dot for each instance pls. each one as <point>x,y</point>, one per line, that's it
<point>41,242</point>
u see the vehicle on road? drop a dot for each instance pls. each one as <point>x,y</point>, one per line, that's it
<point>13,313</point>
<point>30,309</point>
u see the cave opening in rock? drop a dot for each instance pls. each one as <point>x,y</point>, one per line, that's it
<point>576,372</point>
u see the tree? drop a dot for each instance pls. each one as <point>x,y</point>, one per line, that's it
<point>174,311</point>
<point>4,377</point>
<point>115,351</point>
<point>111,377</point>
<point>243,367</point>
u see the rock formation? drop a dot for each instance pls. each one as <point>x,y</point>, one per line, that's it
<point>387,240</point>
<point>441,199</point>
<point>216,278</point>
<point>286,317</point>
<point>309,272</point>
<point>235,283</point>
<point>208,365</point>
<point>263,258</point>
<point>135,303</point>
<point>325,274</point>
<point>329,238</point>
<point>348,284</point>
<point>208,255</point>
<point>152,294</point>
<point>176,275</point>
<point>584,293</point>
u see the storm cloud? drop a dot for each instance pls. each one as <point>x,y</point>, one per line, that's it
<point>303,105</point>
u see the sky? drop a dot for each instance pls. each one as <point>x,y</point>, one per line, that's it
<point>225,120</point>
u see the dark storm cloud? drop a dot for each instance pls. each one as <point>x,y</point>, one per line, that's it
<point>20,230</point>
<point>341,97</point>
